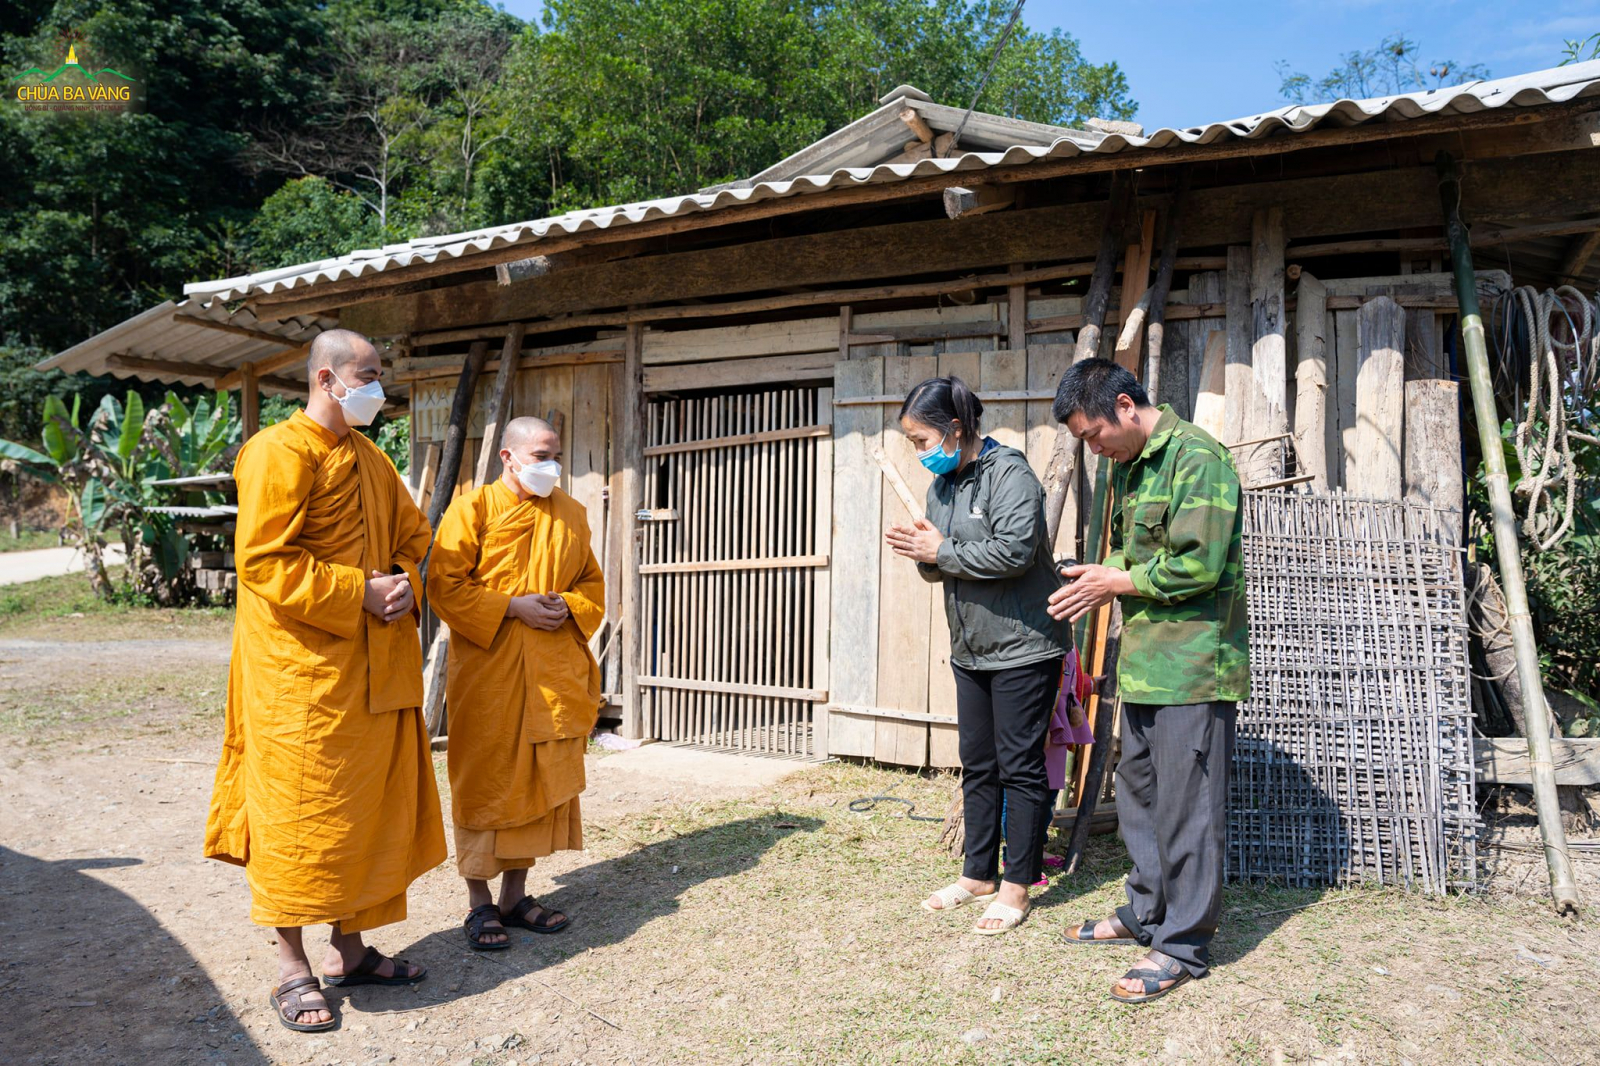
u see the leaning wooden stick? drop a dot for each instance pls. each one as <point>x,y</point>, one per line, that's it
<point>898,483</point>
<point>1100,753</point>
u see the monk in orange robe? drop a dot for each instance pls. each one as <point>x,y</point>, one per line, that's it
<point>325,792</point>
<point>513,576</point>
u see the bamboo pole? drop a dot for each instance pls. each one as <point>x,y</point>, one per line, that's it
<point>1563,886</point>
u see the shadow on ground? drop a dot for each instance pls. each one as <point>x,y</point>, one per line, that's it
<point>88,975</point>
<point>609,901</point>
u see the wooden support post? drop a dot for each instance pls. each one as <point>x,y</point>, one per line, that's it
<point>1380,396</point>
<point>505,384</point>
<point>632,432</point>
<point>1239,383</point>
<point>1563,884</point>
<point>1269,350</point>
<point>455,433</point>
<point>1311,380</point>
<point>1157,329</point>
<point>1066,448</point>
<point>249,401</point>
<point>1433,446</point>
<point>1017,314</point>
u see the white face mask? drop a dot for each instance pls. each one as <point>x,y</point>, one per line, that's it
<point>361,405</point>
<point>540,478</point>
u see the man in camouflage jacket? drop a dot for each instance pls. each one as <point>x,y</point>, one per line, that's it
<point>1182,668</point>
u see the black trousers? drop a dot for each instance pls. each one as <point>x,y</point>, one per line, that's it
<point>1003,716</point>
<point>1172,813</point>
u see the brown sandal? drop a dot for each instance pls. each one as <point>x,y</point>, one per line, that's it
<point>366,973</point>
<point>289,999</point>
<point>1085,934</point>
<point>518,916</point>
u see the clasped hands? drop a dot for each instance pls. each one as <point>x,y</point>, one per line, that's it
<point>539,610</point>
<point>1088,587</point>
<point>388,596</point>
<point>919,541</point>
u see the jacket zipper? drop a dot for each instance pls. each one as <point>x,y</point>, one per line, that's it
<point>955,595</point>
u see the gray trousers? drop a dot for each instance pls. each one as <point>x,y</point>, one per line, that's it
<point>1172,813</point>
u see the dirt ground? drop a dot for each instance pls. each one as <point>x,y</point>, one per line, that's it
<point>724,912</point>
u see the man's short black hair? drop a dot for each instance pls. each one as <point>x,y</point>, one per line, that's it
<point>1092,387</point>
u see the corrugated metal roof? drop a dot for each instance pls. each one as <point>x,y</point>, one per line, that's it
<point>155,334</point>
<point>1528,90</point>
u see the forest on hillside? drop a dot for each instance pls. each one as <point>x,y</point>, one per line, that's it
<point>266,134</point>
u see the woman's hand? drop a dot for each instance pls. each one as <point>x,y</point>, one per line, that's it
<point>1089,587</point>
<point>920,541</point>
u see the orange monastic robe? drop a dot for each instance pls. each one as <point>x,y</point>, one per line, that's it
<point>521,701</point>
<point>325,793</point>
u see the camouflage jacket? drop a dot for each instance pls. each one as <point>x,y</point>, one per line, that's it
<point>1176,531</point>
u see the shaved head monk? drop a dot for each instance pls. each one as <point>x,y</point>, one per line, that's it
<point>514,578</point>
<point>325,792</point>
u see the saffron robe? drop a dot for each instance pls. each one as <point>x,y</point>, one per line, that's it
<point>522,701</point>
<point>325,792</point>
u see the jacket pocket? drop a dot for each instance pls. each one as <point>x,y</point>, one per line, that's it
<point>1147,531</point>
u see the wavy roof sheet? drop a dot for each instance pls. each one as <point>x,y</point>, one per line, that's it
<point>1527,90</point>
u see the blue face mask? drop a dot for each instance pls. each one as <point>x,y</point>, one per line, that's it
<point>937,460</point>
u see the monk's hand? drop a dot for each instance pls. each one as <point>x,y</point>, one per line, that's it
<point>535,610</point>
<point>388,596</point>
<point>919,541</point>
<point>1087,587</point>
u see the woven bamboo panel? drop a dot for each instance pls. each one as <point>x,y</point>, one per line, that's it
<point>1354,755</point>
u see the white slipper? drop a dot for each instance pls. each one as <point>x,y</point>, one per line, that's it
<point>1009,917</point>
<point>954,896</point>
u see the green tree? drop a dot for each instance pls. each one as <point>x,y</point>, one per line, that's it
<point>1393,67</point>
<point>308,219</point>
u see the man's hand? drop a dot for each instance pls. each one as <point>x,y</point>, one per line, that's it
<point>1089,587</point>
<point>920,541</point>
<point>388,596</point>
<point>540,611</point>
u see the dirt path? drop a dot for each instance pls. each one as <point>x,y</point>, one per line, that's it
<point>726,911</point>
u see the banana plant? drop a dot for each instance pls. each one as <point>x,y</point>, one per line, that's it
<point>193,440</point>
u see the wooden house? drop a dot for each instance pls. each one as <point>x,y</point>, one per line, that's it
<point>726,365</point>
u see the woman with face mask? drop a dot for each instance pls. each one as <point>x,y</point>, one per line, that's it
<point>984,539</point>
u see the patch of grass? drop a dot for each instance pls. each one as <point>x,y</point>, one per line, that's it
<point>28,540</point>
<point>66,608</point>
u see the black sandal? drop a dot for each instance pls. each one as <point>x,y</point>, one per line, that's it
<point>518,916</point>
<point>1165,968</point>
<point>289,998</point>
<point>1085,934</point>
<point>366,973</point>
<point>476,919</point>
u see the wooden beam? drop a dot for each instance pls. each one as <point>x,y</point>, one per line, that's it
<point>535,266</point>
<point>731,373</point>
<point>276,361</point>
<point>1156,331</point>
<point>1339,204</point>
<point>964,202</point>
<point>1504,761</point>
<point>229,327</point>
<point>164,366</point>
<point>918,124</point>
<point>505,381</point>
<point>1433,471</point>
<point>249,401</point>
<point>1486,235</point>
<point>1500,119</point>
<point>1579,251</point>
<point>630,437</point>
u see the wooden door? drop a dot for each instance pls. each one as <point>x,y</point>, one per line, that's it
<point>733,568</point>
